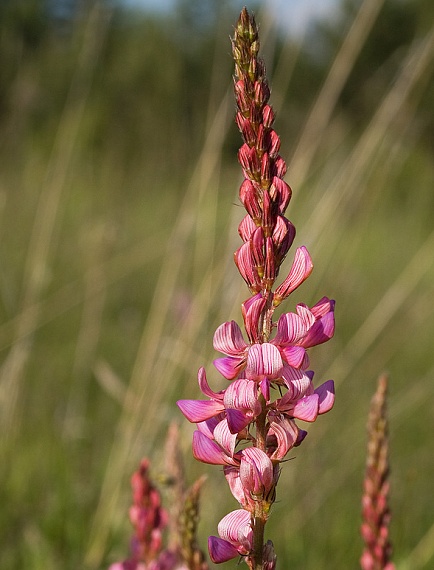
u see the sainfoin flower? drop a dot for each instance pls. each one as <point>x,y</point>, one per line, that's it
<point>250,426</point>
<point>148,518</point>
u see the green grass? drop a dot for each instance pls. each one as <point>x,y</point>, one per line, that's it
<point>115,272</point>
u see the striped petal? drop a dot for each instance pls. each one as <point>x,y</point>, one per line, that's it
<point>256,472</point>
<point>297,381</point>
<point>294,355</point>
<point>321,331</point>
<point>236,528</point>
<point>204,386</point>
<point>286,433</point>
<point>225,438</point>
<point>199,410</point>
<point>229,340</point>
<point>209,451</point>
<point>326,393</point>
<point>306,408</point>
<point>229,367</point>
<point>299,272</point>
<point>221,550</point>
<point>263,361</point>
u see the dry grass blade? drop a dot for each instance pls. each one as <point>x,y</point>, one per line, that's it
<point>314,130</point>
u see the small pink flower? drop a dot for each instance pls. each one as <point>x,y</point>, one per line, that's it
<point>253,479</point>
<point>258,475</point>
<point>236,534</point>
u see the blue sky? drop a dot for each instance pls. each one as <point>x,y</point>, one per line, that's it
<point>294,15</point>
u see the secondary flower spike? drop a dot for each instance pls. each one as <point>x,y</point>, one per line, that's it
<point>375,508</point>
<point>250,426</point>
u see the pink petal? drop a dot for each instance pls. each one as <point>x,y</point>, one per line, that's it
<point>256,472</point>
<point>263,360</point>
<point>290,328</point>
<point>294,355</point>
<point>221,550</point>
<point>208,451</point>
<point>236,528</point>
<point>207,427</point>
<point>204,386</point>
<point>299,272</point>
<point>286,433</point>
<point>199,410</point>
<point>229,367</point>
<point>232,475</point>
<point>243,395</point>
<point>297,381</point>
<point>264,386</point>
<point>225,438</point>
<point>306,408</point>
<point>244,261</point>
<point>320,332</point>
<point>326,393</point>
<point>324,306</point>
<point>229,340</point>
<point>237,420</point>
<point>306,315</point>
<point>246,228</point>
<point>252,309</point>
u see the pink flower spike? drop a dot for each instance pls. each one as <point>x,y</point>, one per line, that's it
<point>209,451</point>
<point>221,550</point>
<point>326,393</point>
<point>199,410</point>
<point>299,272</point>
<point>263,360</point>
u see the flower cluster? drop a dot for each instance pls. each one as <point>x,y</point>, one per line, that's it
<point>250,426</point>
<point>149,519</point>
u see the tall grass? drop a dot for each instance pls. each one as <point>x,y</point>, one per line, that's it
<point>114,277</point>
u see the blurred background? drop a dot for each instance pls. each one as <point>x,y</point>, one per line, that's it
<point>118,218</point>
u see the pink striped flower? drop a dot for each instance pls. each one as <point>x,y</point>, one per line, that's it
<point>295,333</point>
<point>236,534</point>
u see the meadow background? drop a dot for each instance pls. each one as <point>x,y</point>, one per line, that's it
<point>118,217</point>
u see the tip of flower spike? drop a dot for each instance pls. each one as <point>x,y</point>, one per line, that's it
<point>246,26</point>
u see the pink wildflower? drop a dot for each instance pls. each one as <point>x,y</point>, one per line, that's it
<point>251,425</point>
